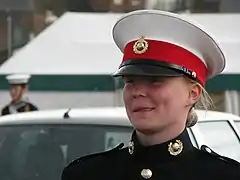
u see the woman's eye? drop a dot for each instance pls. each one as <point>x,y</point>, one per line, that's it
<point>129,81</point>
<point>155,80</point>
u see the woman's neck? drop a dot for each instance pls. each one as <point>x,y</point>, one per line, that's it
<point>163,135</point>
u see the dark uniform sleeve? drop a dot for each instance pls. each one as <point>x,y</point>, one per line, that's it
<point>33,107</point>
<point>5,111</point>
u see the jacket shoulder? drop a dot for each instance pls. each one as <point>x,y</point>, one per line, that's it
<point>96,155</point>
<point>209,153</point>
<point>89,163</point>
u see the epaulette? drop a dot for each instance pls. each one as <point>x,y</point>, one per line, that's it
<point>208,150</point>
<point>115,149</point>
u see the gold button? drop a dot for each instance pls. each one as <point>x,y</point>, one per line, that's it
<point>146,173</point>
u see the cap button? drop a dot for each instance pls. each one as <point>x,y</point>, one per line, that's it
<point>194,74</point>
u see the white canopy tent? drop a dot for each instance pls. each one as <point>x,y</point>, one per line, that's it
<point>74,44</point>
<point>81,43</point>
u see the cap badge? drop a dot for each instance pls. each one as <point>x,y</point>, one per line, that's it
<point>140,46</point>
<point>175,148</point>
<point>131,147</point>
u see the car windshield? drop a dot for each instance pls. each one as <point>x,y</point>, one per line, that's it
<point>32,152</point>
<point>219,135</point>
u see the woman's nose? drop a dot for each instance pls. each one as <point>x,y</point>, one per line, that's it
<point>139,89</point>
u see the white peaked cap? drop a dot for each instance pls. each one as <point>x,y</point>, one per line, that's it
<point>18,78</point>
<point>174,31</point>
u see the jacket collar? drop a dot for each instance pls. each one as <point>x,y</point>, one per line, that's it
<point>167,151</point>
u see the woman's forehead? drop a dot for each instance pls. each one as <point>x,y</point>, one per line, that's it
<point>15,86</point>
<point>148,78</point>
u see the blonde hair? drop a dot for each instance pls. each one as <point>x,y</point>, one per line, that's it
<point>204,102</point>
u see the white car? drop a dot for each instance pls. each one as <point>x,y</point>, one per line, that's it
<point>237,122</point>
<point>37,145</point>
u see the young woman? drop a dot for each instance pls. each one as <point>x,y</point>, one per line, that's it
<point>165,65</point>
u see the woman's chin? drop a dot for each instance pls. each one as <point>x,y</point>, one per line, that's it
<point>144,128</point>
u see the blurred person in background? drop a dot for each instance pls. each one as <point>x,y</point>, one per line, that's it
<point>18,92</point>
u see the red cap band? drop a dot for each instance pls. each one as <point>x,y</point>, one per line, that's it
<point>167,52</point>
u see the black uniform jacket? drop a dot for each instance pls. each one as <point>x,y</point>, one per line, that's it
<point>173,160</point>
<point>20,107</point>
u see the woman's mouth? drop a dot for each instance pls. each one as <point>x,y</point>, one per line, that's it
<point>142,109</point>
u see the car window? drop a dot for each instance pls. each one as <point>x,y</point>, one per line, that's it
<point>238,125</point>
<point>220,136</point>
<point>42,151</point>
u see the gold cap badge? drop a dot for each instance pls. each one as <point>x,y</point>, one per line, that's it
<point>140,46</point>
<point>175,148</point>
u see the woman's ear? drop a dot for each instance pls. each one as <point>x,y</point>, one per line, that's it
<point>195,91</point>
